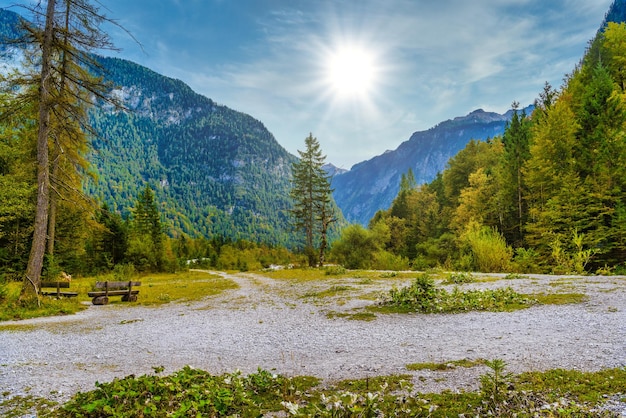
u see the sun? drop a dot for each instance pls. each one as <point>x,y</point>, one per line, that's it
<point>351,71</point>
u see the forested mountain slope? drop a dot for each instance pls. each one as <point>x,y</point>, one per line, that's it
<point>216,171</point>
<point>373,184</point>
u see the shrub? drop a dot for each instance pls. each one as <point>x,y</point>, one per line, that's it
<point>384,260</point>
<point>355,249</point>
<point>334,270</point>
<point>459,278</point>
<point>488,247</point>
<point>526,261</point>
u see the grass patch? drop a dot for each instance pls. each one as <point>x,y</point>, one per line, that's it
<point>181,287</point>
<point>155,289</point>
<point>12,308</point>
<point>189,392</point>
<point>332,291</point>
<point>459,278</point>
<point>560,298</point>
<point>352,316</point>
<point>467,363</point>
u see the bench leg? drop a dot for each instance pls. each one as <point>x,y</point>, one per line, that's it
<point>100,300</point>
<point>129,298</point>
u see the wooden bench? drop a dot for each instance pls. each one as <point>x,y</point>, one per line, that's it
<point>123,289</point>
<point>45,289</point>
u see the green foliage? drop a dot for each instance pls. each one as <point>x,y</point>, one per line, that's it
<point>574,261</point>
<point>334,270</point>
<point>189,392</point>
<point>356,248</point>
<point>459,278</point>
<point>494,385</point>
<point>425,297</point>
<point>488,248</point>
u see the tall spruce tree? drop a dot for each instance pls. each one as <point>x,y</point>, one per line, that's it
<point>312,211</point>
<point>516,140</point>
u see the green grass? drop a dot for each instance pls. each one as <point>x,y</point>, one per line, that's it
<point>155,289</point>
<point>559,298</point>
<point>352,316</point>
<point>447,365</point>
<point>12,308</point>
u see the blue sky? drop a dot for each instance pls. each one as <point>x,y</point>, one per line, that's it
<point>410,64</point>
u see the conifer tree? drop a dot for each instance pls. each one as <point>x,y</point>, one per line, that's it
<point>516,140</point>
<point>312,211</point>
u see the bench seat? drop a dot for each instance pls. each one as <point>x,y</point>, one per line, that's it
<point>112,293</point>
<point>55,293</point>
<point>45,289</point>
<point>124,289</point>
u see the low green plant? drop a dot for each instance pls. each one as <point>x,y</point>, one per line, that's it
<point>334,270</point>
<point>123,272</point>
<point>494,385</point>
<point>190,392</point>
<point>425,297</point>
<point>459,278</point>
<point>513,276</point>
<point>446,365</point>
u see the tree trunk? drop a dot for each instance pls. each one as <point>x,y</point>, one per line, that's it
<point>32,278</point>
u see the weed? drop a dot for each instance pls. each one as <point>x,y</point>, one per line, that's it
<point>423,296</point>
<point>334,270</point>
<point>513,276</point>
<point>467,363</point>
<point>355,316</point>
<point>459,278</point>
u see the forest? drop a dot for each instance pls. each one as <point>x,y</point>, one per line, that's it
<point>547,196</point>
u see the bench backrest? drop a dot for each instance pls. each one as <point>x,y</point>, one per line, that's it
<point>55,284</point>
<point>116,285</point>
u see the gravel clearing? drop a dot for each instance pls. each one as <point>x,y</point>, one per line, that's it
<point>274,325</point>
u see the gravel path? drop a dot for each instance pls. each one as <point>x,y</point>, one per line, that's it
<point>283,327</point>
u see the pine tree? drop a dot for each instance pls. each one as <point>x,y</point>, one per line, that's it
<point>312,211</point>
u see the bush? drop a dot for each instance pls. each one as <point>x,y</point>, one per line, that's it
<point>489,249</point>
<point>526,261</point>
<point>355,249</point>
<point>384,260</point>
<point>459,278</point>
<point>334,270</point>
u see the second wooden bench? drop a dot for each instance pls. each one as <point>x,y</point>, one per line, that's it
<point>45,288</point>
<point>123,289</point>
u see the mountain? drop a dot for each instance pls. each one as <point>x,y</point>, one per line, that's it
<point>372,185</point>
<point>215,171</point>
